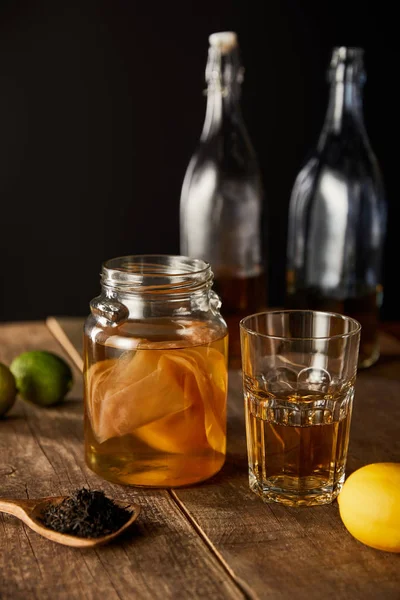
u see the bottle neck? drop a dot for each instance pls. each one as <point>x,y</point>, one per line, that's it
<point>224,76</point>
<point>345,109</point>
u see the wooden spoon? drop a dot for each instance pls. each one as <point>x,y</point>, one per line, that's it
<point>29,512</point>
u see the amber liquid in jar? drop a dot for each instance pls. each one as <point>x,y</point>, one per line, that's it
<point>240,297</point>
<point>155,402</point>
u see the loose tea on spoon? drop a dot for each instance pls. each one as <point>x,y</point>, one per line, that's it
<point>85,513</point>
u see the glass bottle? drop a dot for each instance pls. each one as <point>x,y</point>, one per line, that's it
<point>155,373</point>
<point>337,213</point>
<point>221,200</point>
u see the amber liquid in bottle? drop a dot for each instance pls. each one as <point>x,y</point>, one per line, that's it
<point>240,297</point>
<point>365,309</point>
<point>155,415</point>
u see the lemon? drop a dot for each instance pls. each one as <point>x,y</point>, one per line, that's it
<point>369,505</point>
<point>42,377</point>
<point>8,389</point>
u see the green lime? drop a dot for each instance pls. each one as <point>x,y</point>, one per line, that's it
<point>42,377</point>
<point>8,389</point>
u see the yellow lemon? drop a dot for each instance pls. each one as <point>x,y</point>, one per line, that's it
<point>369,505</point>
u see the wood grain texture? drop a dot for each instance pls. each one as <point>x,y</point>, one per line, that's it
<point>41,454</point>
<point>277,552</point>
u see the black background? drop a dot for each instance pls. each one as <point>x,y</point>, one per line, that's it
<point>101,107</point>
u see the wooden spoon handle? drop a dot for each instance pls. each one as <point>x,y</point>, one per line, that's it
<point>16,507</point>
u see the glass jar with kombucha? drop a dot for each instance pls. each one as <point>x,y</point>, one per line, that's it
<point>155,373</point>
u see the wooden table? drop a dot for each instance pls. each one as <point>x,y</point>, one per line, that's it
<point>215,540</point>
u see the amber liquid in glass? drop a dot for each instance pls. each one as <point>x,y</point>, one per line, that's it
<point>240,297</point>
<point>364,309</point>
<point>155,403</point>
<point>297,445</point>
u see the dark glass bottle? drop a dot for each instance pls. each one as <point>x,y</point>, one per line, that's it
<point>337,214</point>
<point>222,196</point>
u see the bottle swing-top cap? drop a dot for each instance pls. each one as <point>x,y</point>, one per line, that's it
<point>224,59</point>
<point>224,41</point>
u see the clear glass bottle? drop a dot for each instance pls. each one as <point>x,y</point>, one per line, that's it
<point>222,196</point>
<point>337,213</point>
<point>155,373</point>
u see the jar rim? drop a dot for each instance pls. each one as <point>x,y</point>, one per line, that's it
<point>156,273</point>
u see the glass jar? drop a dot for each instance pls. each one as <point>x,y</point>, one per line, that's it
<point>155,373</point>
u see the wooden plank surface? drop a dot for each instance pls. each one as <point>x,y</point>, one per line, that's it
<point>279,552</point>
<point>41,454</point>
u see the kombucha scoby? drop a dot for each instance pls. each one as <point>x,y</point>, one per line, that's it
<point>155,402</point>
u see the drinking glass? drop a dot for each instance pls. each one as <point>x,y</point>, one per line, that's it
<point>299,373</point>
